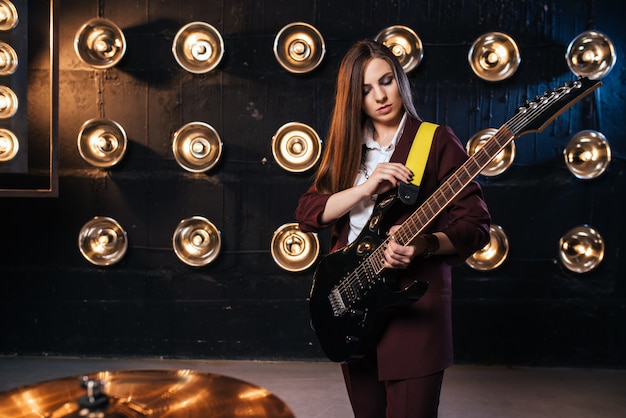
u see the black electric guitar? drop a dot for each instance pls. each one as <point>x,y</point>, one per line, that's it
<point>351,288</point>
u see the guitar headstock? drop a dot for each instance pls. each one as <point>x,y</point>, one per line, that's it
<point>535,115</point>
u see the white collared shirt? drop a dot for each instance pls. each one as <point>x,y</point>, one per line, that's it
<point>374,155</point>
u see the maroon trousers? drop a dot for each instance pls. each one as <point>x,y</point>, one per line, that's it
<point>372,398</point>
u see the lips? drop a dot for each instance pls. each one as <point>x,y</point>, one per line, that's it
<point>384,109</point>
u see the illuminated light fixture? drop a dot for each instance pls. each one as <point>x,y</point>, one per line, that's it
<point>8,59</point>
<point>591,54</point>
<point>8,15</point>
<point>197,147</point>
<point>198,47</point>
<point>196,241</point>
<point>492,255</point>
<point>102,142</point>
<point>296,147</point>
<point>299,47</point>
<point>102,241</point>
<point>581,249</point>
<point>501,162</point>
<point>8,103</point>
<point>294,250</point>
<point>494,56</point>
<point>100,44</point>
<point>9,145</point>
<point>404,43</point>
<point>588,154</point>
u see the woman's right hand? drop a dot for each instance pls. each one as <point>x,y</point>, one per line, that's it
<point>385,177</point>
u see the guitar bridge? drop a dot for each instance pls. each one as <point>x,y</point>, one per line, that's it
<point>336,302</point>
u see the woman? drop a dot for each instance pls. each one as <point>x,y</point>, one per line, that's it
<point>372,128</point>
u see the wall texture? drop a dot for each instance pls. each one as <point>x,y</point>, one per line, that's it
<point>530,311</point>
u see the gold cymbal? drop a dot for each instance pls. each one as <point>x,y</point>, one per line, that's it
<point>141,393</point>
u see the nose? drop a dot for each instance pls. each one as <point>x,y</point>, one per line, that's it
<point>379,94</point>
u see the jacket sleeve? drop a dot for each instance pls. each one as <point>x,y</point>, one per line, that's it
<point>466,219</point>
<point>310,207</point>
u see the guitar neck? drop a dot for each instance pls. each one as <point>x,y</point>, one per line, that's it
<point>534,116</point>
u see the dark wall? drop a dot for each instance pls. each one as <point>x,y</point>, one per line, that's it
<point>531,310</point>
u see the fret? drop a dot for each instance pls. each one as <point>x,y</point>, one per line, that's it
<point>455,183</point>
<point>482,158</point>
<point>489,152</point>
<point>468,173</point>
<point>401,237</point>
<point>449,190</point>
<point>495,141</point>
<point>412,229</point>
<point>440,201</point>
<point>410,232</point>
<point>416,222</point>
<point>428,210</point>
<point>376,258</point>
<point>475,163</point>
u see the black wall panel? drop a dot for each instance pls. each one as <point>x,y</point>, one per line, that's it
<point>530,311</point>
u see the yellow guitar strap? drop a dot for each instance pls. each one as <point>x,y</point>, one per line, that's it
<point>418,155</point>
<point>416,161</point>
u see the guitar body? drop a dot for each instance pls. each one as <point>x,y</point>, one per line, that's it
<point>347,330</point>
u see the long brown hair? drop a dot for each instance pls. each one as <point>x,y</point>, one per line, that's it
<point>342,153</point>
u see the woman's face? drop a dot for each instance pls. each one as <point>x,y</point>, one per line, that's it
<point>381,97</point>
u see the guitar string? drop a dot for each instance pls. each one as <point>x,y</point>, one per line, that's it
<point>517,121</point>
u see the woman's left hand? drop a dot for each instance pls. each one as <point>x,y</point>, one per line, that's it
<point>398,256</point>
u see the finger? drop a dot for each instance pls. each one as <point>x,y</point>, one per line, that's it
<point>393,229</point>
<point>393,172</point>
<point>396,255</point>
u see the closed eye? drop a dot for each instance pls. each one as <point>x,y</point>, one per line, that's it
<point>387,81</point>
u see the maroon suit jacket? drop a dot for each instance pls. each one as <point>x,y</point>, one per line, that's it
<point>418,341</point>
